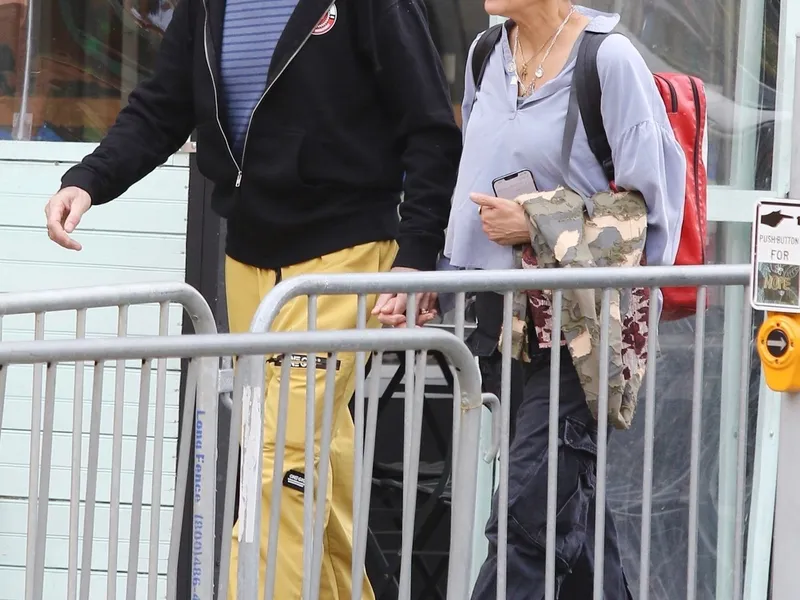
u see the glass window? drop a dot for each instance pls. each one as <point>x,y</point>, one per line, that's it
<point>733,47</point>
<point>454,25</point>
<point>85,58</point>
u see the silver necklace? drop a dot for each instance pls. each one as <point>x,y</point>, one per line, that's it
<point>539,72</point>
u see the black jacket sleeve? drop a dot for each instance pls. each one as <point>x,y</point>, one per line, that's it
<point>413,87</point>
<point>158,119</point>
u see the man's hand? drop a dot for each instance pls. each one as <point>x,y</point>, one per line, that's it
<point>391,308</point>
<point>503,221</point>
<point>64,212</point>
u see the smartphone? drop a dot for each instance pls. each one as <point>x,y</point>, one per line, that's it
<point>514,184</point>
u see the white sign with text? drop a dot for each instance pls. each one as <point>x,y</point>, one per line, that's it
<point>775,276</point>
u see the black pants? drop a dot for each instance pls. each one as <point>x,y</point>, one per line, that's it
<point>527,498</point>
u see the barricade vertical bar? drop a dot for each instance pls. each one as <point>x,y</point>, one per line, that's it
<point>459,581</point>
<point>552,447</point>
<point>649,434</point>
<point>116,460</point>
<point>694,462</point>
<point>181,477</point>
<point>3,377</point>
<point>324,468</point>
<point>91,480</point>
<point>33,473</point>
<point>458,330</point>
<point>77,439</point>
<point>44,479</point>
<point>408,411</point>
<point>138,479</point>
<point>205,492</point>
<point>505,411</point>
<point>602,446</point>
<point>741,450</point>
<point>407,530</point>
<point>250,502</point>
<point>158,459</point>
<point>365,483</point>
<point>308,491</point>
<point>277,477</point>
<point>235,439</point>
<point>3,374</point>
<point>358,421</point>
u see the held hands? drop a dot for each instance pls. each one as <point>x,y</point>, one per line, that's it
<point>503,221</point>
<point>64,212</point>
<point>391,308</point>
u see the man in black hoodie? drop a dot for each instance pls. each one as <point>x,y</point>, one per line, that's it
<point>312,118</point>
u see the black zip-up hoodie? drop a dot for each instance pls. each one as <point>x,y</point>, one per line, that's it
<point>345,118</point>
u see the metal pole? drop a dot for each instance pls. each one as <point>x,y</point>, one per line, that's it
<point>786,549</point>
<point>20,131</point>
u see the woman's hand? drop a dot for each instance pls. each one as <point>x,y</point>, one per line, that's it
<point>504,221</point>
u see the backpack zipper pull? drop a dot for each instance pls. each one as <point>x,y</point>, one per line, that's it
<point>239,179</point>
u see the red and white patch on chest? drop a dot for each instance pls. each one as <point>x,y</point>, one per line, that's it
<point>327,21</point>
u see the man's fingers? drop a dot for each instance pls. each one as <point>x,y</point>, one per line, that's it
<point>400,302</point>
<point>55,230</point>
<point>73,219</point>
<point>56,233</point>
<point>390,307</point>
<point>383,299</point>
<point>63,213</point>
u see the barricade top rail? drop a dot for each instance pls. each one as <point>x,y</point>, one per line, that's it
<point>197,346</point>
<point>15,303</point>
<point>496,280</point>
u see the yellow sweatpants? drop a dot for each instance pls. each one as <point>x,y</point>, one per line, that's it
<point>245,287</point>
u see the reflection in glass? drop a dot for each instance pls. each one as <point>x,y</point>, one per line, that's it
<point>714,40</point>
<point>670,508</point>
<point>87,57</point>
<point>705,38</point>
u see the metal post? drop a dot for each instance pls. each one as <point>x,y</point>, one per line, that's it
<point>21,129</point>
<point>786,549</point>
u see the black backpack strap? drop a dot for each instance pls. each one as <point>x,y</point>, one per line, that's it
<point>586,81</point>
<point>483,49</point>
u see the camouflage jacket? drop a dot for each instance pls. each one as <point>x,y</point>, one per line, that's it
<point>563,235</point>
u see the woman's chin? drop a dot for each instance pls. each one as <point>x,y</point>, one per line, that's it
<point>495,8</point>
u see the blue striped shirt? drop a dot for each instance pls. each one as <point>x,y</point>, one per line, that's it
<point>251,30</point>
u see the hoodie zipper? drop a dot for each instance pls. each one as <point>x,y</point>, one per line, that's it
<point>216,99</point>
<point>239,166</point>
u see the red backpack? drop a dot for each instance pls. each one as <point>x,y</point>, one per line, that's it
<point>685,100</point>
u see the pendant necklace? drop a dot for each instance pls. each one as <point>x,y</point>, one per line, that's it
<point>539,72</point>
<point>522,72</point>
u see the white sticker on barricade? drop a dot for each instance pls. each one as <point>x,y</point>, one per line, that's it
<point>251,478</point>
<point>775,275</point>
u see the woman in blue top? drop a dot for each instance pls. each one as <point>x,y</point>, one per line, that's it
<point>515,122</point>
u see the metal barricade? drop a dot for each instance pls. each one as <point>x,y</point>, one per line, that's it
<point>202,398</point>
<point>82,301</point>
<point>736,361</point>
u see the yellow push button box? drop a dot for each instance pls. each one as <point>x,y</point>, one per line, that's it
<point>779,350</point>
